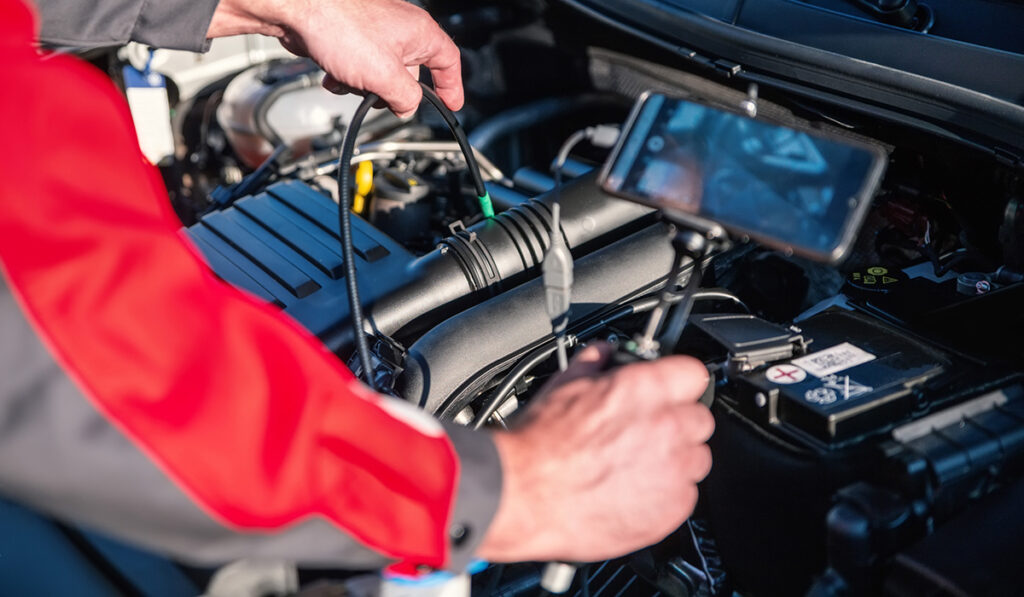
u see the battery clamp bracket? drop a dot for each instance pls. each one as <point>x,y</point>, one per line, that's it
<point>750,341</point>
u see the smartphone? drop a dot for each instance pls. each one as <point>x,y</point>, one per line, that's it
<point>795,189</point>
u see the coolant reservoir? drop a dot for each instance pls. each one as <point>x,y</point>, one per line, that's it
<point>281,102</point>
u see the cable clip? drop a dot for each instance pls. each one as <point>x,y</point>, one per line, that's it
<point>749,105</point>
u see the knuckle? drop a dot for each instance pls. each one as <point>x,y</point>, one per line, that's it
<point>704,422</point>
<point>429,32</point>
<point>688,500</point>
<point>675,426</point>
<point>696,424</point>
<point>447,52</point>
<point>700,462</point>
<point>401,92</point>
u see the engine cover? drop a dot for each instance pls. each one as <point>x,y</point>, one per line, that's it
<point>283,246</point>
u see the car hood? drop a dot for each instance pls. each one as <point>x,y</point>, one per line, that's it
<point>959,81</point>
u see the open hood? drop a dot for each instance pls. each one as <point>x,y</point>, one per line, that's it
<point>964,79</point>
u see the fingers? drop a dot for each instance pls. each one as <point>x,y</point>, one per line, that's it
<point>338,88</point>
<point>586,363</point>
<point>396,88</point>
<point>696,424</point>
<point>392,40</point>
<point>397,93</point>
<point>686,377</point>
<point>446,69</point>
<point>335,86</point>
<point>672,379</point>
<point>401,90</point>
<point>697,465</point>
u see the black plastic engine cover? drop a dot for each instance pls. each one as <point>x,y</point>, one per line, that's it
<point>283,246</point>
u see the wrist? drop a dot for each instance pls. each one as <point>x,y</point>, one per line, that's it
<point>517,531</point>
<point>237,17</point>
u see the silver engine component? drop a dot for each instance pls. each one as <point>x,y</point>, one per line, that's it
<point>281,102</point>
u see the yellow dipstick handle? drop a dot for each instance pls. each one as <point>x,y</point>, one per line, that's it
<point>364,186</point>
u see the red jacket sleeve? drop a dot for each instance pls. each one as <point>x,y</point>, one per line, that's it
<point>246,411</point>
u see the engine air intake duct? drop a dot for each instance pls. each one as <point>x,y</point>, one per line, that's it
<point>455,357</point>
<point>497,254</point>
<point>282,245</point>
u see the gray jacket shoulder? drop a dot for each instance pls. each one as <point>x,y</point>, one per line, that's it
<point>173,24</point>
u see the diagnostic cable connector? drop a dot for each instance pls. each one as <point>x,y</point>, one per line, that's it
<point>557,273</point>
<point>557,265</point>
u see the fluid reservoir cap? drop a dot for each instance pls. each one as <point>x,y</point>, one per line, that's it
<point>400,185</point>
<point>973,283</point>
<point>877,278</point>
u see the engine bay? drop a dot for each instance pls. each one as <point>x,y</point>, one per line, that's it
<point>870,415</point>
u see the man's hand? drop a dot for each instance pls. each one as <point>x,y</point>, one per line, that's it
<point>364,45</point>
<point>602,464</point>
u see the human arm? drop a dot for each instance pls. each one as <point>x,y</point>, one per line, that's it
<point>243,411</point>
<point>256,428</point>
<point>172,24</point>
<point>365,45</point>
<point>55,443</point>
<point>602,464</point>
<point>376,46</point>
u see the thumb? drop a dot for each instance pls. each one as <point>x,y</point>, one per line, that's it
<point>586,363</point>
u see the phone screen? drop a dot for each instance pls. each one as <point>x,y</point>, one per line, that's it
<point>782,186</point>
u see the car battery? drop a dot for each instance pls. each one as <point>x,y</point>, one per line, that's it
<point>857,376</point>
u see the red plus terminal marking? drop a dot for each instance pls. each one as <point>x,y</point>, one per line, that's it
<point>791,374</point>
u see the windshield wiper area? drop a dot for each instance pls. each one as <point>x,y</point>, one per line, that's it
<point>909,14</point>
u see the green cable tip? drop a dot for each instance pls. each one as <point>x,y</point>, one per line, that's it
<point>486,206</point>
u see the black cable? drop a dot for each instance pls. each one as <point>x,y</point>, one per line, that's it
<point>531,360</point>
<point>563,155</point>
<point>348,148</point>
<point>498,396</point>
<point>460,135</point>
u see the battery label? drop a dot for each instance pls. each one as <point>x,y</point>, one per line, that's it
<point>833,360</point>
<point>836,387</point>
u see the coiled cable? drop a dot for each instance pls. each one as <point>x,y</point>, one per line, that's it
<point>348,146</point>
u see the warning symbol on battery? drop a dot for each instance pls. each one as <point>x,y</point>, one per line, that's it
<point>874,276</point>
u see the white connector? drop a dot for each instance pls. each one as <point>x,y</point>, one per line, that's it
<point>603,135</point>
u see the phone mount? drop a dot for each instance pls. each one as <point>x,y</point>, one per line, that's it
<point>661,334</point>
